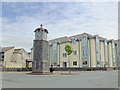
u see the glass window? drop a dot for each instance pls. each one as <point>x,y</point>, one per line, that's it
<point>75,63</point>
<point>45,35</point>
<point>64,54</point>
<point>97,40</point>
<point>86,53</point>
<point>55,46</point>
<point>84,42</point>
<point>98,62</point>
<point>55,56</point>
<point>105,43</point>
<point>83,53</point>
<point>2,56</point>
<point>74,52</point>
<point>65,64</point>
<point>22,53</point>
<point>54,59</point>
<point>54,64</point>
<point>74,41</point>
<point>84,62</point>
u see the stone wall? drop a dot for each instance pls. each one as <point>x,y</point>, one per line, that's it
<point>40,56</point>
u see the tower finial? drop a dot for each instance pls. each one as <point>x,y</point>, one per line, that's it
<point>41,25</point>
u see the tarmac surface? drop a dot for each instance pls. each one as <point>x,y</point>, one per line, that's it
<point>82,79</point>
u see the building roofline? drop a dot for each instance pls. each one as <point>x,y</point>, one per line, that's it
<point>9,49</point>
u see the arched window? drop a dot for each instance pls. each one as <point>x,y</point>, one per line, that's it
<point>54,46</point>
<point>54,54</point>
<point>74,41</point>
<point>84,41</point>
<point>97,51</point>
<point>113,52</point>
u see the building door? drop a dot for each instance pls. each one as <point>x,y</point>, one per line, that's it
<point>65,64</point>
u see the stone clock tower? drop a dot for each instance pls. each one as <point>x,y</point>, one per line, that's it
<point>40,51</point>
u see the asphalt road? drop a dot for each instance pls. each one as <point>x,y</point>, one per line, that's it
<point>81,80</point>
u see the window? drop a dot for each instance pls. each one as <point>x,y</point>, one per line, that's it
<point>97,40</point>
<point>2,56</point>
<point>64,54</point>
<point>98,63</point>
<point>22,53</point>
<point>45,35</point>
<point>55,46</point>
<point>84,62</point>
<point>54,64</point>
<point>74,52</point>
<point>49,43</point>
<point>74,41</point>
<point>113,53</point>
<point>84,42</point>
<point>75,63</point>
<point>85,53</point>
<point>54,56</point>
<point>105,43</point>
<point>65,64</point>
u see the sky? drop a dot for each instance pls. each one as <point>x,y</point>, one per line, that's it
<point>20,19</point>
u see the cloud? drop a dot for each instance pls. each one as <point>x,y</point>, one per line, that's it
<point>60,1</point>
<point>61,19</point>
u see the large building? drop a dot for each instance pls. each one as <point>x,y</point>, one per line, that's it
<point>88,51</point>
<point>13,58</point>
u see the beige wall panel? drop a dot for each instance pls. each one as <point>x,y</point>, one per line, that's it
<point>75,57</point>
<point>63,59</point>
<point>110,54</point>
<point>102,54</point>
<point>93,53</point>
<point>80,55</point>
<point>88,53</point>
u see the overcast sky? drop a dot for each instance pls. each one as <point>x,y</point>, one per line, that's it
<point>20,19</point>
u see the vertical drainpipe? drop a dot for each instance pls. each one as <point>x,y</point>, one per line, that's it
<point>79,51</point>
<point>51,54</point>
<point>59,54</point>
<point>90,51</point>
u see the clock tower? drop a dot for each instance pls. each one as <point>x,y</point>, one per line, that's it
<point>40,51</point>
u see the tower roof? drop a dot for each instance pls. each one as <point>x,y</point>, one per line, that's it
<point>41,28</point>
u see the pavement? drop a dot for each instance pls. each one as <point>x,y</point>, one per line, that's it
<point>81,79</point>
